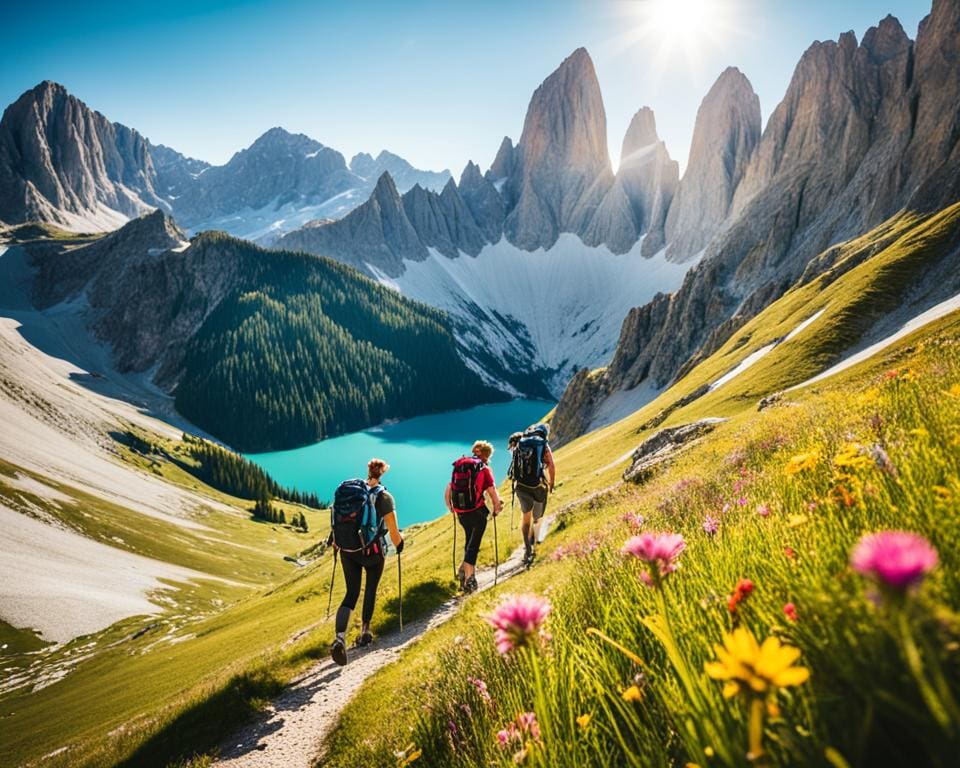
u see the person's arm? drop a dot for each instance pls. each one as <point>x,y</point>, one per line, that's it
<point>390,520</point>
<point>491,491</point>
<point>551,467</point>
<point>447,497</point>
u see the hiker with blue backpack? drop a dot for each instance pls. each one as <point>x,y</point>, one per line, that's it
<point>533,474</point>
<point>363,513</point>
<point>471,485</point>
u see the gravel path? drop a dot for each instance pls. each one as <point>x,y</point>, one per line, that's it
<point>292,730</point>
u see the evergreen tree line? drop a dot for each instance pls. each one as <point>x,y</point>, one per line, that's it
<point>231,473</point>
<point>310,348</point>
<point>264,510</point>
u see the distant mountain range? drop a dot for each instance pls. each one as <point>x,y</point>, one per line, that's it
<point>66,164</point>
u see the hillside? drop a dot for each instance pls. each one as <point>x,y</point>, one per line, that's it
<point>263,349</point>
<point>779,496</point>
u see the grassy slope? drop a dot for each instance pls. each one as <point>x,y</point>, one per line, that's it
<point>179,682</point>
<point>595,461</point>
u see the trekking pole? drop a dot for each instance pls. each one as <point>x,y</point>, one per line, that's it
<point>400,589</point>
<point>332,577</point>
<point>456,573</point>
<point>496,553</point>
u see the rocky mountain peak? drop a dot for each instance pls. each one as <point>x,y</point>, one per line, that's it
<point>642,132</point>
<point>725,137</point>
<point>886,40</point>
<point>504,164</point>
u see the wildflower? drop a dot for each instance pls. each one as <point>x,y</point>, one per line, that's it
<point>811,505</point>
<point>508,734</point>
<point>795,521</point>
<point>763,510</point>
<point>802,462</point>
<point>742,501</point>
<point>584,720</point>
<point>941,494</point>
<point>852,456</point>
<point>481,687</point>
<point>633,519</point>
<point>790,611</point>
<point>896,559</point>
<point>919,432</point>
<point>954,391</point>
<point>633,693</point>
<point>790,552</point>
<point>750,667</point>
<point>740,593</point>
<point>710,525</point>
<point>659,550</point>
<point>408,756</point>
<point>527,722</point>
<point>518,621</point>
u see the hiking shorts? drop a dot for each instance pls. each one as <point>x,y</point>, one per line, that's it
<point>532,499</point>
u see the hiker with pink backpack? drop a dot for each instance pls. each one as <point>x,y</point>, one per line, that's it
<point>471,485</point>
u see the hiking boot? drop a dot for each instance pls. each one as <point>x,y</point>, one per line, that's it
<point>365,639</point>
<point>470,585</point>
<point>338,652</point>
<point>527,558</point>
<point>463,579</point>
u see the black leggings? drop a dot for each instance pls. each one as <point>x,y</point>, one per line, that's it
<point>474,524</point>
<point>354,564</point>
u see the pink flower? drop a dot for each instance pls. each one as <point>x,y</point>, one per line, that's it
<point>790,611</point>
<point>518,621</point>
<point>896,559</point>
<point>659,550</point>
<point>527,721</point>
<point>481,687</point>
<point>710,525</point>
<point>742,501</point>
<point>633,519</point>
<point>763,510</point>
<point>508,734</point>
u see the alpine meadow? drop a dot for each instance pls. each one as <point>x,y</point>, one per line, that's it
<point>635,444</point>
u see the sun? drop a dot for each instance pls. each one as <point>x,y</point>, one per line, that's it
<point>673,33</point>
<point>670,19</point>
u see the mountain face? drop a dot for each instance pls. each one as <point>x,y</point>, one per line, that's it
<point>863,131</point>
<point>725,135</point>
<point>63,163</point>
<point>344,352</point>
<point>176,173</point>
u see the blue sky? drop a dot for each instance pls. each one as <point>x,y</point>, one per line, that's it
<point>437,82</point>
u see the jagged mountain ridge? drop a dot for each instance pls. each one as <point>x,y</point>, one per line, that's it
<point>856,138</point>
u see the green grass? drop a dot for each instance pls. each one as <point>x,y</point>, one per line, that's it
<point>861,706</point>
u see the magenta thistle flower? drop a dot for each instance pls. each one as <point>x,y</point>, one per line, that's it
<point>711,525</point>
<point>527,722</point>
<point>763,510</point>
<point>659,550</point>
<point>481,687</point>
<point>508,734</point>
<point>518,621</point>
<point>896,559</point>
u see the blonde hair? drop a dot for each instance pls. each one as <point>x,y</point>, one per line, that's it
<point>377,468</point>
<point>483,449</point>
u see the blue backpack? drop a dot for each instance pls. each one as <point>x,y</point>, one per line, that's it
<point>353,517</point>
<point>527,466</point>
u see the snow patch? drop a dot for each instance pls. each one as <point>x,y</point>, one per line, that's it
<point>924,318</point>
<point>753,357</point>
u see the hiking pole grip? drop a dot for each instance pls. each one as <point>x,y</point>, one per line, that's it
<point>400,589</point>
<point>333,576</point>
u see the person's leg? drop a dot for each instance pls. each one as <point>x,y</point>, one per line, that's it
<point>526,522</point>
<point>539,508</point>
<point>352,572</point>
<point>374,570</point>
<point>474,534</point>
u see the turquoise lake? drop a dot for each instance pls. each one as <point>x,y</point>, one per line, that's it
<point>420,453</point>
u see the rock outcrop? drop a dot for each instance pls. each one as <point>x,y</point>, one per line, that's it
<point>404,175</point>
<point>176,173</point>
<point>863,131</point>
<point>725,136</point>
<point>63,163</point>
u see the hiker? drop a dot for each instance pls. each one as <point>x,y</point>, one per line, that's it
<point>363,512</point>
<point>471,484</point>
<point>533,473</point>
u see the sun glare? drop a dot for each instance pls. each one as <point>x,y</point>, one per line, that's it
<point>677,32</point>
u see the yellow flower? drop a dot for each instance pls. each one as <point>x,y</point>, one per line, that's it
<point>584,720</point>
<point>853,456</point>
<point>795,521</point>
<point>919,432</point>
<point>632,693</point>
<point>954,391</point>
<point>406,760</point>
<point>801,462</point>
<point>748,666</point>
